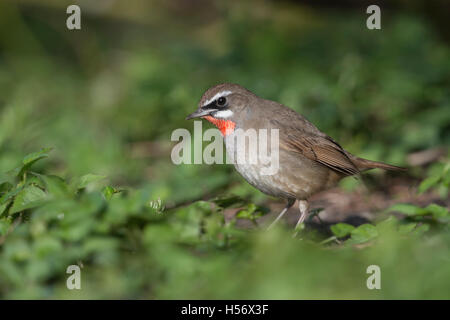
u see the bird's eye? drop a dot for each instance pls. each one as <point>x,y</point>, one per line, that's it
<point>221,101</point>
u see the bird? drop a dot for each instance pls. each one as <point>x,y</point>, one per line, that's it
<point>309,161</point>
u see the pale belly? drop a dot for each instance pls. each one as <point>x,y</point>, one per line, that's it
<point>295,176</point>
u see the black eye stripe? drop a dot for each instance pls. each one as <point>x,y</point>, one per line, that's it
<point>211,105</point>
<point>215,104</point>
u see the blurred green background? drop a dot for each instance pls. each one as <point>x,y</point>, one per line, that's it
<point>107,97</point>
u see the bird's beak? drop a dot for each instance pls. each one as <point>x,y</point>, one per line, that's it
<point>200,113</point>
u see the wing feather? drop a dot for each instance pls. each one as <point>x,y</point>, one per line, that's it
<point>299,135</point>
<point>322,150</point>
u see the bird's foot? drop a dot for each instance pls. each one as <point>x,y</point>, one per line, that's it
<point>286,208</point>
<point>298,229</point>
<point>303,208</point>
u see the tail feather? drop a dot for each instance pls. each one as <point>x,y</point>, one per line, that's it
<point>364,164</point>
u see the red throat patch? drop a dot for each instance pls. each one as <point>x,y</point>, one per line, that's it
<point>225,126</point>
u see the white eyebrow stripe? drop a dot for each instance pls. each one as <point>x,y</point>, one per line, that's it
<point>217,96</point>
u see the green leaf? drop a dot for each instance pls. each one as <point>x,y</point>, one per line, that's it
<point>249,213</point>
<point>4,226</point>
<point>446,176</point>
<point>428,183</point>
<point>226,202</point>
<point>108,192</point>
<point>5,187</point>
<point>32,158</point>
<point>88,179</point>
<point>56,186</point>
<point>45,245</point>
<point>341,230</point>
<point>8,196</point>
<point>420,230</point>
<point>35,156</point>
<point>407,228</point>
<point>27,198</point>
<point>408,209</point>
<point>437,211</point>
<point>364,233</point>
<point>4,209</point>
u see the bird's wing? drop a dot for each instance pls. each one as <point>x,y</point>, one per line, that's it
<point>315,145</point>
<point>323,151</point>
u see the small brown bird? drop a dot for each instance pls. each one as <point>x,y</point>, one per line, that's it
<point>309,160</point>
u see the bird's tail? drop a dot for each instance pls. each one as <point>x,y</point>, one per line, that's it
<point>364,164</point>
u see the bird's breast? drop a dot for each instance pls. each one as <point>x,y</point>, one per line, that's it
<point>226,127</point>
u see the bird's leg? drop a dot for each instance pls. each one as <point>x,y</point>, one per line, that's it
<point>288,205</point>
<point>303,207</point>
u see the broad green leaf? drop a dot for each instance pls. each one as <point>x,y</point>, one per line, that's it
<point>30,159</point>
<point>27,198</point>
<point>108,192</point>
<point>4,226</point>
<point>341,230</point>
<point>4,208</point>
<point>437,211</point>
<point>36,181</point>
<point>407,228</point>
<point>243,214</point>
<point>227,202</point>
<point>5,187</point>
<point>421,229</point>
<point>446,176</point>
<point>408,209</point>
<point>249,212</point>
<point>8,196</point>
<point>88,179</point>
<point>428,183</point>
<point>35,156</point>
<point>55,185</point>
<point>99,244</point>
<point>46,244</point>
<point>363,233</point>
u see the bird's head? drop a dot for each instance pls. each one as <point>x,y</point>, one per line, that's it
<point>222,105</point>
